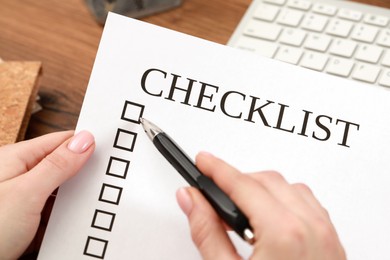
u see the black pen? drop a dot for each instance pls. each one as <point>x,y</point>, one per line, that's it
<point>222,204</point>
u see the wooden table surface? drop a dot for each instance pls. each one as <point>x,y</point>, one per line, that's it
<point>65,37</point>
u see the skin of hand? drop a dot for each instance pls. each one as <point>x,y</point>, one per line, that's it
<point>29,172</point>
<point>287,220</point>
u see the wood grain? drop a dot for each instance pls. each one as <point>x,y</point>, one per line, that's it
<point>65,37</point>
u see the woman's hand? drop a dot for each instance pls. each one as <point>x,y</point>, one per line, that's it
<point>287,220</point>
<point>29,172</point>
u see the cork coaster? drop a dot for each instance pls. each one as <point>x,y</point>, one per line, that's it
<point>18,91</point>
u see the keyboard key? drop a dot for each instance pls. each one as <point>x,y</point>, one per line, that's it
<point>262,30</point>
<point>384,38</point>
<point>289,54</point>
<point>325,36</point>
<point>317,42</point>
<point>325,9</point>
<point>385,78</point>
<point>314,60</point>
<point>376,20</point>
<point>290,17</point>
<point>364,33</point>
<point>339,27</point>
<point>365,72</point>
<point>368,53</point>
<point>275,2</point>
<point>264,48</point>
<point>340,67</point>
<point>314,22</point>
<point>299,4</point>
<point>266,12</point>
<point>292,37</point>
<point>386,59</point>
<point>344,48</point>
<point>350,14</point>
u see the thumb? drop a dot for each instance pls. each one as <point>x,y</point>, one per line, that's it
<point>207,229</point>
<point>58,166</point>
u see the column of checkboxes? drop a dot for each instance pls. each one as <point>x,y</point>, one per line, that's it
<point>118,168</point>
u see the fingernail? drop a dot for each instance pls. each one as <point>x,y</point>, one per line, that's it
<point>81,142</point>
<point>185,201</point>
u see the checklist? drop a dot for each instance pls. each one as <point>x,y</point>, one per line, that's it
<point>132,112</point>
<point>110,194</point>
<point>125,140</point>
<point>117,167</point>
<point>95,247</point>
<point>103,220</point>
<point>256,113</point>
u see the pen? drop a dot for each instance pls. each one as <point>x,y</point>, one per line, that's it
<point>222,204</point>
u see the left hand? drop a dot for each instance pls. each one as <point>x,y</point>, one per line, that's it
<point>29,172</point>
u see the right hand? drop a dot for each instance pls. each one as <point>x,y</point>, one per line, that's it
<point>287,220</point>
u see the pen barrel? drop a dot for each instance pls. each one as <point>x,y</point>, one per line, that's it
<point>218,199</point>
<point>224,206</point>
<point>177,158</point>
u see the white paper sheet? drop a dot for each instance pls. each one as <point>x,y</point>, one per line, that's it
<point>122,204</point>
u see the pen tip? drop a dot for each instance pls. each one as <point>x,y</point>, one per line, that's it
<point>249,236</point>
<point>151,129</point>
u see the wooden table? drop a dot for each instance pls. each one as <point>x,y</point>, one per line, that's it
<point>65,37</point>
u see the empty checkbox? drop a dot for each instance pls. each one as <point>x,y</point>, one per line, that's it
<point>95,247</point>
<point>103,220</point>
<point>125,140</point>
<point>117,167</point>
<point>110,194</point>
<point>132,112</point>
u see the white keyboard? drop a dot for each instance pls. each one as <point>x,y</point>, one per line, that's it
<point>341,38</point>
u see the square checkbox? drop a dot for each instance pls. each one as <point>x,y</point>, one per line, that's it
<point>110,194</point>
<point>103,220</point>
<point>117,167</point>
<point>95,247</point>
<point>132,112</point>
<point>125,140</point>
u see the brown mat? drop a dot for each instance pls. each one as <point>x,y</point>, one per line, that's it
<point>18,92</point>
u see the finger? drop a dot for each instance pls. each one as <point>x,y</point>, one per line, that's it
<point>21,157</point>
<point>308,195</point>
<point>207,229</point>
<point>249,195</point>
<point>57,167</point>
<point>293,197</point>
<point>297,198</point>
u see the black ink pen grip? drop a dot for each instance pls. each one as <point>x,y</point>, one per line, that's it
<point>177,158</point>
<point>222,204</point>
